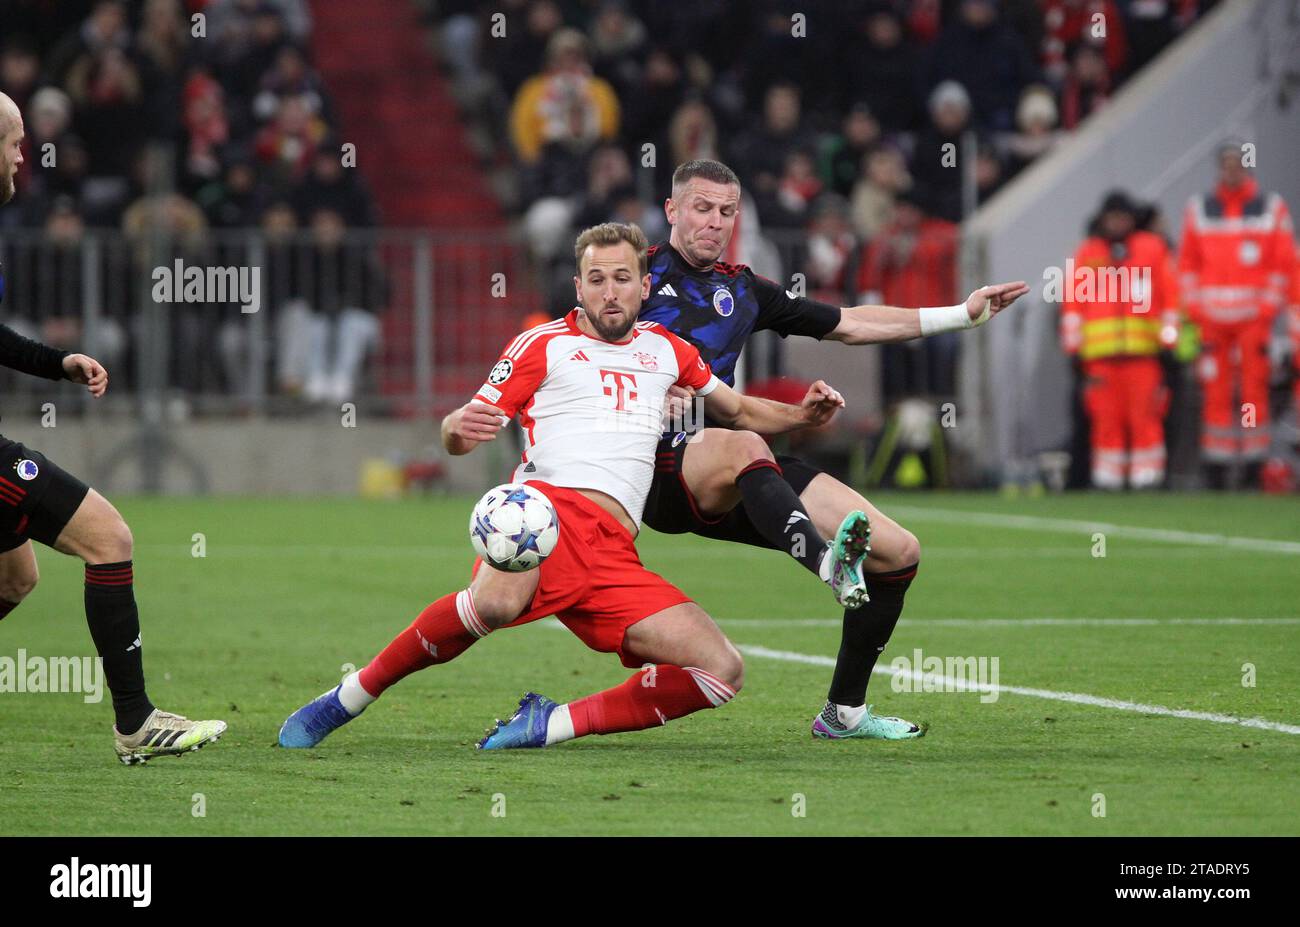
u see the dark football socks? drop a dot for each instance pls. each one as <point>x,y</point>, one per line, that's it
<point>866,632</point>
<point>776,511</point>
<point>115,628</point>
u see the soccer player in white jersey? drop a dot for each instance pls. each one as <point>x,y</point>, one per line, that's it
<point>589,390</point>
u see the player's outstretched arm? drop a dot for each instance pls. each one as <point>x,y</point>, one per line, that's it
<point>471,425</point>
<point>878,324</point>
<point>749,413</point>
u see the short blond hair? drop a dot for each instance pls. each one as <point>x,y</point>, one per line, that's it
<point>613,233</point>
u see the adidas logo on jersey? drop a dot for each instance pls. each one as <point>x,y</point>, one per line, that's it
<point>795,518</point>
<point>580,356</point>
<point>667,290</point>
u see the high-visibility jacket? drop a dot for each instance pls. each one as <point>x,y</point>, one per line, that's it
<point>1119,297</point>
<point>1237,256</point>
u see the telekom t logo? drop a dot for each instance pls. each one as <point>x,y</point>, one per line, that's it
<point>619,384</point>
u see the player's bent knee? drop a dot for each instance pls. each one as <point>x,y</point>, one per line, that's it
<point>14,589</point>
<point>729,666</point>
<point>115,544</point>
<point>500,599</point>
<point>745,447</point>
<point>911,549</point>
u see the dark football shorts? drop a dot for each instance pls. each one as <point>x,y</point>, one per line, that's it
<point>37,497</point>
<point>671,509</point>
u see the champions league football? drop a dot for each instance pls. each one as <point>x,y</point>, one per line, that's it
<point>514,528</point>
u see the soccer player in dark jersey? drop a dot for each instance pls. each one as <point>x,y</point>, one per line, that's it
<point>727,484</point>
<point>39,501</point>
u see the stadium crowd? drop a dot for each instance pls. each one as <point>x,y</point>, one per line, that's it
<point>134,122</point>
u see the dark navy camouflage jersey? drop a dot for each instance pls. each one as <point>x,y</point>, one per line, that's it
<point>718,309</point>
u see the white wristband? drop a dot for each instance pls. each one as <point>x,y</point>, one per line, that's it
<point>936,319</point>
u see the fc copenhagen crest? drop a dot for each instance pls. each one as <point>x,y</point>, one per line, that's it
<point>723,302</point>
<point>27,469</point>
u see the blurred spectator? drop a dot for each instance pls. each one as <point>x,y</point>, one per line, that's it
<point>842,153</point>
<point>522,53</point>
<point>1036,132</point>
<point>913,262</point>
<point>938,150</point>
<point>692,133</point>
<point>330,185</point>
<point>884,176</point>
<point>108,100</point>
<point>327,332</point>
<point>832,250</point>
<point>1094,22</point>
<point>1150,26</point>
<point>987,58</point>
<point>798,187</point>
<point>760,155</point>
<point>990,173</point>
<point>658,93</point>
<point>232,202</point>
<point>105,29</point>
<point>206,128</point>
<point>565,104</point>
<point>1087,87</point>
<point>162,52</point>
<point>608,172</point>
<point>20,69</point>
<point>618,42</point>
<point>290,75</point>
<point>288,145</point>
<point>884,65</point>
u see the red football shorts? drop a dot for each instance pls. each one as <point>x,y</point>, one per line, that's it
<point>593,581</point>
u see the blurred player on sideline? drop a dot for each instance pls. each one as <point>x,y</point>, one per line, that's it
<point>40,501</point>
<point>727,484</point>
<point>590,390</point>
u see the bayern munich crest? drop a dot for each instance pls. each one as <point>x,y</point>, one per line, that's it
<point>648,361</point>
<point>723,302</point>
<point>27,469</point>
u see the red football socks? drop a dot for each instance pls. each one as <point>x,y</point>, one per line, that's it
<point>654,696</point>
<point>442,632</point>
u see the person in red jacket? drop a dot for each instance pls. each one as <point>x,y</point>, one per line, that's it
<point>1116,316</point>
<point>1237,262</point>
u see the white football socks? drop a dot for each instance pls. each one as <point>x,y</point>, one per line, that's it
<point>559,726</point>
<point>354,698</point>
<point>850,715</point>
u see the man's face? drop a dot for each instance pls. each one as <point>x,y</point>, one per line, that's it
<point>610,288</point>
<point>11,154</point>
<point>1231,171</point>
<point>1116,224</point>
<point>703,218</point>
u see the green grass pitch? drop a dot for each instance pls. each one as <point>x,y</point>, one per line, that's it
<point>291,591</point>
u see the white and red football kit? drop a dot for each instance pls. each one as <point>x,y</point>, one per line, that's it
<point>592,409</point>
<point>592,415</point>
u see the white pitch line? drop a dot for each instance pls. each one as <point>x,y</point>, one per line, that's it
<point>1077,698</point>
<point>1008,622</point>
<point>1070,525</point>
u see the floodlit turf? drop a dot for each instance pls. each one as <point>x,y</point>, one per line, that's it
<point>291,591</point>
